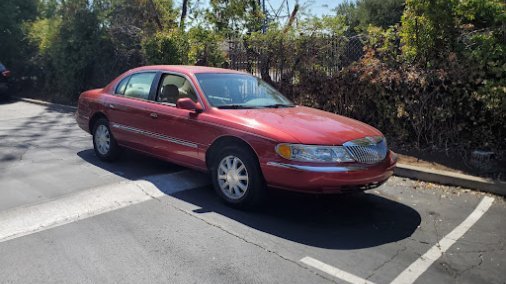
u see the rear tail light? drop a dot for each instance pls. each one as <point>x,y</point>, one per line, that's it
<point>6,73</point>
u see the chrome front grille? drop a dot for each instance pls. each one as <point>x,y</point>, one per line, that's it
<point>368,150</point>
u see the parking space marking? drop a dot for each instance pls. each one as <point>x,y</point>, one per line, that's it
<point>331,270</point>
<point>26,220</point>
<point>417,268</point>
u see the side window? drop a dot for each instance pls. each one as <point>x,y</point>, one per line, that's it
<point>120,89</point>
<point>174,87</point>
<point>139,85</point>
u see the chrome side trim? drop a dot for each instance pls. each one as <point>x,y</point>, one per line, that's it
<point>154,135</point>
<point>317,169</point>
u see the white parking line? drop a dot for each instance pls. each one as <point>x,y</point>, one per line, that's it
<point>410,274</point>
<point>417,268</point>
<point>26,220</point>
<point>338,273</point>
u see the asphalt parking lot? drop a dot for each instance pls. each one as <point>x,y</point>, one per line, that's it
<point>67,217</point>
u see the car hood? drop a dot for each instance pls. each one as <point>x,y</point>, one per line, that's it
<point>302,125</point>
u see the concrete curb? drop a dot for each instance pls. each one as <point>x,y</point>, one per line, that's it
<point>451,178</point>
<point>43,103</point>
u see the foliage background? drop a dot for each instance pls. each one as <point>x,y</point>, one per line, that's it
<point>432,74</point>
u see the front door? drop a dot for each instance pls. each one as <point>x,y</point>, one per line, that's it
<point>177,129</point>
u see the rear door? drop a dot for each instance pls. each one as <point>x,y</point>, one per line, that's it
<point>129,110</point>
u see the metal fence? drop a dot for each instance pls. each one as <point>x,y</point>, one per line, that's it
<point>329,54</point>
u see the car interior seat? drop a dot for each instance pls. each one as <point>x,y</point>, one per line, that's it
<point>169,94</point>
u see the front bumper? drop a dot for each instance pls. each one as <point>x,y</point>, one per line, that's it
<point>328,179</point>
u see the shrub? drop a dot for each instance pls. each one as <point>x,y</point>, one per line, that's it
<point>74,52</point>
<point>459,105</point>
<point>205,47</point>
<point>166,48</point>
<point>428,30</point>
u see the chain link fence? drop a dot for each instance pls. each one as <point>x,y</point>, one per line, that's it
<point>281,57</point>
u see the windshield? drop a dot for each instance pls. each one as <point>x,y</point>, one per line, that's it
<point>240,91</point>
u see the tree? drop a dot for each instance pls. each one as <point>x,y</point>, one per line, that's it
<point>72,47</point>
<point>166,48</point>
<point>205,47</point>
<point>428,30</point>
<point>150,16</point>
<point>349,11</point>
<point>184,9</point>
<point>482,13</point>
<point>380,13</point>
<point>13,14</point>
<point>234,17</point>
<point>127,27</point>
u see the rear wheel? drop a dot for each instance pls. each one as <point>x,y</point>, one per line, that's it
<point>237,177</point>
<point>104,144</point>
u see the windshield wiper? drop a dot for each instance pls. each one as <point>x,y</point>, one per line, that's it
<point>278,105</point>
<point>234,107</point>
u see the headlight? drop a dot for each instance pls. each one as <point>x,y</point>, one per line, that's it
<point>312,153</point>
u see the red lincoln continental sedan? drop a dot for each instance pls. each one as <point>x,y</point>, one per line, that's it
<point>242,131</point>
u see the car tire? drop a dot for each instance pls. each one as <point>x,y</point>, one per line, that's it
<point>105,146</point>
<point>237,177</point>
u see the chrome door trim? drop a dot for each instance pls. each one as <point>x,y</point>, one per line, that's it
<point>155,135</point>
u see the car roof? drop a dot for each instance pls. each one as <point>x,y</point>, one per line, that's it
<point>187,69</point>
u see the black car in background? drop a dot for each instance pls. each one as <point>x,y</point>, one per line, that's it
<point>4,80</point>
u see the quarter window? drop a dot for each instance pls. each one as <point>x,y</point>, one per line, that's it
<point>120,89</point>
<point>139,85</point>
<point>174,87</point>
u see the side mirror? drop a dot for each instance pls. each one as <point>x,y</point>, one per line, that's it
<point>189,104</point>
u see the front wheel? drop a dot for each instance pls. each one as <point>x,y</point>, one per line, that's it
<point>237,177</point>
<point>104,144</point>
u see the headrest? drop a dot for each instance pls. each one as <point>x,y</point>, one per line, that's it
<point>170,93</point>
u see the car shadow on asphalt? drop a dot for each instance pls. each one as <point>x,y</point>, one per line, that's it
<point>131,165</point>
<point>332,221</point>
<point>350,221</point>
<point>5,99</point>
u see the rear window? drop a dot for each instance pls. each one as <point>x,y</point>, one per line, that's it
<point>139,85</point>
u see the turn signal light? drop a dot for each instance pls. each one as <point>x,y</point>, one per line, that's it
<point>284,151</point>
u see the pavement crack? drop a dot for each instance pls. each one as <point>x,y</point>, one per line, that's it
<point>480,262</point>
<point>438,236</point>
<point>325,277</point>
<point>379,267</point>
<point>418,241</point>
<point>456,273</point>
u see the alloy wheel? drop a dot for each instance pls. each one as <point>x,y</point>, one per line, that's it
<point>102,139</point>
<point>233,177</point>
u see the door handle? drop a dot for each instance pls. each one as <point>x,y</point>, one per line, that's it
<point>153,115</point>
<point>110,106</point>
